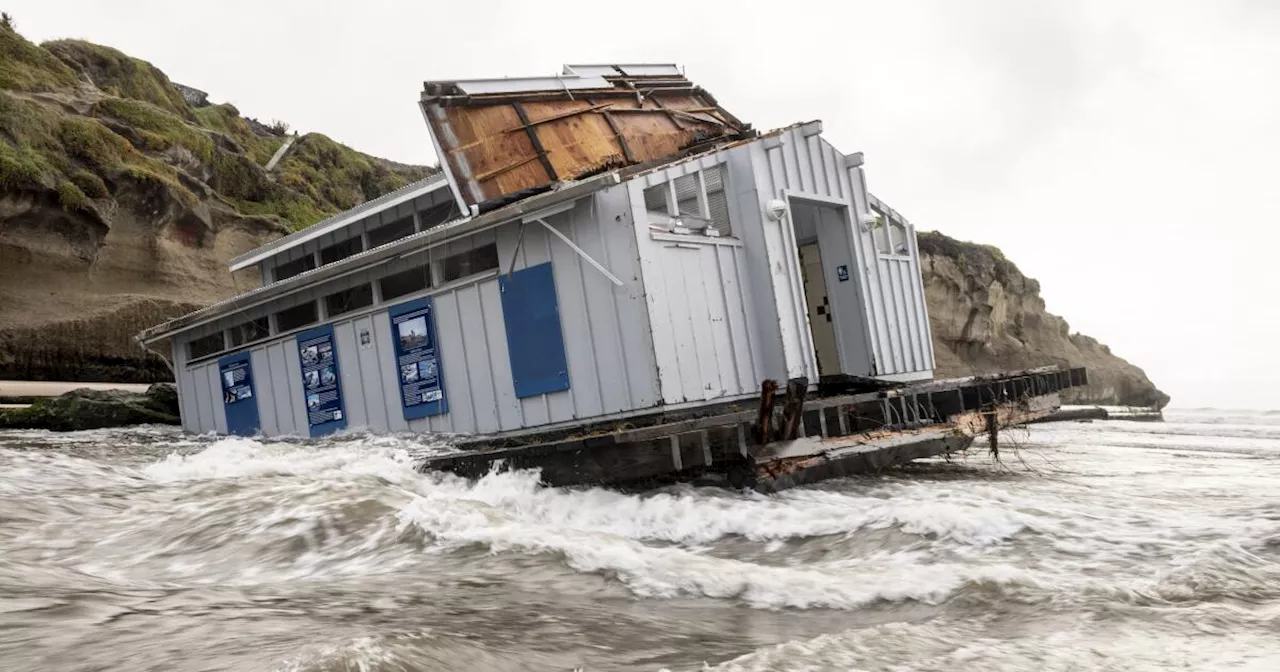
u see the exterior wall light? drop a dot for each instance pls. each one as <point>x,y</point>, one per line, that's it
<point>776,209</point>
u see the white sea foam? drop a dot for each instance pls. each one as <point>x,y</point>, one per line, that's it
<point>611,543</point>
<point>948,644</point>
<point>1131,546</point>
<point>385,457</point>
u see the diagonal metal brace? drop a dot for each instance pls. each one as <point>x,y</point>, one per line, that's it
<point>614,279</point>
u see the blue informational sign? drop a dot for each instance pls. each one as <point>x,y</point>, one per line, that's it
<point>413,331</point>
<point>842,273</point>
<point>321,388</point>
<point>235,374</point>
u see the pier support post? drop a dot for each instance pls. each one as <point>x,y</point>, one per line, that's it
<point>764,421</point>
<point>797,388</point>
<point>993,433</point>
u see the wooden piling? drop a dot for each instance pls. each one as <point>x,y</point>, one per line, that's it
<point>792,412</point>
<point>764,421</point>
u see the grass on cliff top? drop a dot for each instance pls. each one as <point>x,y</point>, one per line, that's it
<point>76,156</point>
<point>157,130</point>
<point>120,74</point>
<point>226,119</point>
<point>26,67</point>
<point>334,174</point>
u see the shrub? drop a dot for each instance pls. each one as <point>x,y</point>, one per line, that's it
<point>90,184</point>
<point>71,198</point>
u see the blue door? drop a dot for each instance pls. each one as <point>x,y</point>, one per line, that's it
<point>534,340</point>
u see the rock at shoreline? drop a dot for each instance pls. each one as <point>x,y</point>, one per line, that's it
<point>96,409</point>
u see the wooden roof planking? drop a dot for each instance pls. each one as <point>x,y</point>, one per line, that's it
<point>502,139</point>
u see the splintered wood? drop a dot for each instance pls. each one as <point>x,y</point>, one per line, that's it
<point>500,145</point>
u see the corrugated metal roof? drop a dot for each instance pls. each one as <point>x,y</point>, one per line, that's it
<point>389,200</point>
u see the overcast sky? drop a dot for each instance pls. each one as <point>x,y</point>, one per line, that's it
<point>1123,152</point>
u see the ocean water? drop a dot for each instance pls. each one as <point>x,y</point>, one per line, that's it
<point>1089,546</point>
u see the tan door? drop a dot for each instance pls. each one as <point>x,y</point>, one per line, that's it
<point>819,309</point>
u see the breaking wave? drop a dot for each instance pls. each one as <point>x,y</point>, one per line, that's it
<point>1167,532</point>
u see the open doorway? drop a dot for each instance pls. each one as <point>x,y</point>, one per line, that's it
<point>829,278</point>
<point>818,306</point>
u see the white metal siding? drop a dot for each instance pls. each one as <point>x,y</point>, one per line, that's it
<point>901,342</point>
<point>703,336</point>
<point>799,163</point>
<point>259,361</point>
<point>605,327</point>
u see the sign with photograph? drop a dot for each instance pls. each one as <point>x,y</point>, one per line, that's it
<point>413,331</point>
<point>321,390</point>
<point>235,375</point>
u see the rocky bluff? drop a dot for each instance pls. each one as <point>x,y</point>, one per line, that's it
<point>986,316</point>
<point>123,196</point>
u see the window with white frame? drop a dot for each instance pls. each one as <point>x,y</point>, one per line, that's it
<point>296,267</point>
<point>401,228</point>
<point>296,317</point>
<point>477,260</point>
<point>399,284</point>
<point>347,300</point>
<point>890,233</point>
<point>248,332</point>
<point>339,251</point>
<point>694,202</point>
<point>205,346</point>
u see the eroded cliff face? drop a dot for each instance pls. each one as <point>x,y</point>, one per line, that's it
<point>987,316</point>
<point>122,202</point>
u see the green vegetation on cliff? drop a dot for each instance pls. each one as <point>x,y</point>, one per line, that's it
<point>120,75</point>
<point>75,157</point>
<point>328,172</point>
<point>226,119</point>
<point>26,67</point>
<point>80,121</point>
